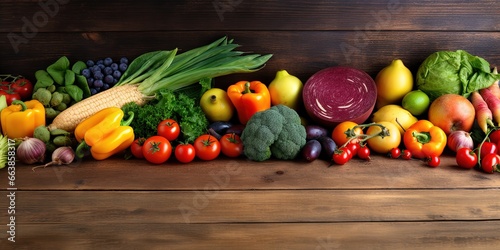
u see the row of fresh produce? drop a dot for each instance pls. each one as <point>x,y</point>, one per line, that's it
<point>163,107</point>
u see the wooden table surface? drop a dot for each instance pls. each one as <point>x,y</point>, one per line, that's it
<point>237,204</point>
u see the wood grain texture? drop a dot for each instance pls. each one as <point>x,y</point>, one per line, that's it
<point>478,235</point>
<point>195,15</point>
<point>228,174</point>
<point>302,53</point>
<point>264,206</point>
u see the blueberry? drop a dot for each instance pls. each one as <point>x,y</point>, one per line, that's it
<point>123,67</point>
<point>117,74</point>
<point>115,81</point>
<point>98,75</point>
<point>90,81</point>
<point>105,86</point>
<point>108,79</point>
<point>101,66</point>
<point>98,84</point>
<point>108,71</point>
<point>100,62</point>
<point>114,66</point>
<point>90,63</point>
<point>95,68</point>
<point>108,61</point>
<point>93,91</point>
<point>124,60</point>
<point>86,73</point>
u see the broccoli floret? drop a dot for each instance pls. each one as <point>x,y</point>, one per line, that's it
<point>291,139</point>
<point>276,131</point>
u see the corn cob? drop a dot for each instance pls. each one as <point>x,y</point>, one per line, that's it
<point>113,97</point>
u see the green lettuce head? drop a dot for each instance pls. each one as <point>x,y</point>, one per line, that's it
<point>456,72</point>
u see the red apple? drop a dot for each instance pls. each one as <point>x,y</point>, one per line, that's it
<point>452,112</point>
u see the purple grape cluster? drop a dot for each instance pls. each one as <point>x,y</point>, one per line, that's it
<point>104,74</point>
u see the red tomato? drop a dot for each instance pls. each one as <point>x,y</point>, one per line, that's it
<point>488,148</point>
<point>23,87</point>
<point>136,148</point>
<point>169,129</point>
<point>5,85</point>
<point>395,153</point>
<point>364,152</point>
<point>353,146</point>
<point>10,96</point>
<point>157,149</point>
<point>490,163</point>
<point>495,136</point>
<point>231,145</point>
<point>466,158</point>
<point>433,161</point>
<point>185,153</point>
<point>406,154</point>
<point>341,156</point>
<point>207,147</point>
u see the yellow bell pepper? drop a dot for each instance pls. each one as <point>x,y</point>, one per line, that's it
<point>104,133</point>
<point>21,118</point>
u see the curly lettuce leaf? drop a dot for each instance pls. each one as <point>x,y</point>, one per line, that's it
<point>456,72</point>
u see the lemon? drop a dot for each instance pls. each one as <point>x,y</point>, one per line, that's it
<point>393,83</point>
<point>216,105</point>
<point>395,114</point>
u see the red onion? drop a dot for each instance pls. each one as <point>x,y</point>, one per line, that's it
<point>60,156</point>
<point>460,139</point>
<point>31,150</point>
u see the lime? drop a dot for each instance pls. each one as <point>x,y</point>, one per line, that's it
<point>416,102</point>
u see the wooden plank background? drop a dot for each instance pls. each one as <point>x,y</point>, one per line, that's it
<point>238,204</point>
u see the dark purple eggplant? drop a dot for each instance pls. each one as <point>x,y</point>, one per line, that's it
<point>315,132</point>
<point>312,150</point>
<point>236,129</point>
<point>220,127</point>
<point>328,146</point>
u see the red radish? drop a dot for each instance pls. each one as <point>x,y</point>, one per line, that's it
<point>494,88</point>
<point>338,94</point>
<point>493,104</point>
<point>484,115</point>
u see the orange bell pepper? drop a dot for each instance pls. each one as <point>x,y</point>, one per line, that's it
<point>21,118</point>
<point>249,98</point>
<point>423,139</point>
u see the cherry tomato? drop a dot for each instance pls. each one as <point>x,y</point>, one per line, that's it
<point>495,136</point>
<point>4,85</point>
<point>157,149</point>
<point>136,148</point>
<point>406,154</point>
<point>341,155</point>
<point>169,129</point>
<point>364,152</point>
<point>231,145</point>
<point>339,135</point>
<point>207,147</point>
<point>23,87</point>
<point>490,163</point>
<point>488,148</point>
<point>466,158</point>
<point>185,153</point>
<point>395,153</point>
<point>10,96</point>
<point>353,146</point>
<point>433,161</point>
